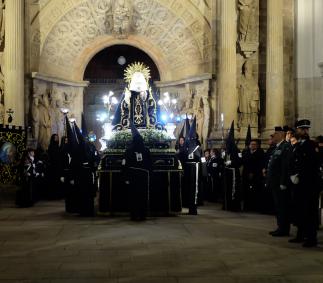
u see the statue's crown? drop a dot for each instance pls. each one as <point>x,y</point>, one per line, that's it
<point>136,67</point>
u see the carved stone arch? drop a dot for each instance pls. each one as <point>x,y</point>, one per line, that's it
<point>68,29</point>
<point>101,43</point>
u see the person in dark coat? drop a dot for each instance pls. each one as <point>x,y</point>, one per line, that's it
<point>307,178</point>
<point>215,167</point>
<point>137,166</point>
<point>53,172</point>
<point>182,154</point>
<point>85,165</point>
<point>277,182</point>
<point>193,169</point>
<point>232,177</point>
<point>70,191</point>
<point>319,150</point>
<point>181,150</point>
<point>253,163</point>
<point>267,196</point>
<point>31,171</point>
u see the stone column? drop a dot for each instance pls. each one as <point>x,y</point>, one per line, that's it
<point>274,65</point>
<point>14,60</point>
<point>227,61</point>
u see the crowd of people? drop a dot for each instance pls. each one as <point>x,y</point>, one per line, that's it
<point>286,179</point>
<point>66,170</point>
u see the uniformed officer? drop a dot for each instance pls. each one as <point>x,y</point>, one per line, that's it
<point>277,180</point>
<point>306,177</point>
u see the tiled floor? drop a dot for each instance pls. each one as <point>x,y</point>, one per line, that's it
<point>42,244</point>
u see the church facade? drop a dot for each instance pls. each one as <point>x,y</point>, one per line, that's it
<point>259,63</point>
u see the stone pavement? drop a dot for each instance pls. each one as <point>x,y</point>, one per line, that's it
<point>42,244</point>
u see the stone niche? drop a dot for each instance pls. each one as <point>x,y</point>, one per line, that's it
<point>48,99</point>
<point>194,99</point>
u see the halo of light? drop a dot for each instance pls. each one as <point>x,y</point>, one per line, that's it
<point>105,99</point>
<point>164,117</point>
<point>121,60</point>
<point>114,100</point>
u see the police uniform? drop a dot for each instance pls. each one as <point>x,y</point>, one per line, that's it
<point>277,181</point>
<point>306,177</point>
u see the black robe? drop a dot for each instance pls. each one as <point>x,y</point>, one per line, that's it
<point>137,168</point>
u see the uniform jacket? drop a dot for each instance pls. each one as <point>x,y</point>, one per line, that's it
<point>277,171</point>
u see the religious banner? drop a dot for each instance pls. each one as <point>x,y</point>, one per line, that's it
<point>12,146</point>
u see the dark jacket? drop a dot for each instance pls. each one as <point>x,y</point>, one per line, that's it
<point>277,170</point>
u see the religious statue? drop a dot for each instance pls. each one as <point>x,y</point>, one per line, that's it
<point>56,114</point>
<point>44,122</point>
<point>35,116</point>
<point>121,18</point>
<point>137,104</point>
<point>202,111</point>
<point>2,108</point>
<point>249,98</point>
<point>246,8</point>
<point>2,10</point>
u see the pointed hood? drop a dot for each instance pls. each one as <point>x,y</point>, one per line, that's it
<point>192,131</point>
<point>137,140</point>
<point>79,136</point>
<point>231,146</point>
<point>248,136</point>
<point>71,138</point>
<point>85,132</point>
<point>187,127</point>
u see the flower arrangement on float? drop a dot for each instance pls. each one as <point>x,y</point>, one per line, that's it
<point>153,138</point>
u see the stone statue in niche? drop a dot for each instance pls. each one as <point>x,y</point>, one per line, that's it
<point>121,18</point>
<point>2,109</point>
<point>248,97</point>
<point>202,111</point>
<point>2,31</point>
<point>45,123</point>
<point>35,116</point>
<point>56,114</point>
<point>245,24</point>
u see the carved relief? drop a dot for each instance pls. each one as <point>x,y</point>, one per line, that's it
<point>202,110</point>
<point>45,124</point>
<point>122,18</point>
<point>248,97</point>
<point>48,99</point>
<point>180,42</point>
<point>248,26</point>
<point>2,21</point>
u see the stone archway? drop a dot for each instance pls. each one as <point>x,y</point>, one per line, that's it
<point>67,34</point>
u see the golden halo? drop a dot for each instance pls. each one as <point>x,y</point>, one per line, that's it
<point>136,67</point>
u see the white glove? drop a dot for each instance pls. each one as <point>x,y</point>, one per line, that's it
<point>294,179</point>
<point>62,179</point>
<point>37,174</point>
<point>228,163</point>
<point>283,187</point>
<point>72,182</point>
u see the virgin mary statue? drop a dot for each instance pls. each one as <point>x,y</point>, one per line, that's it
<point>137,103</point>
